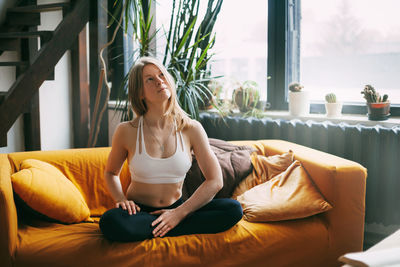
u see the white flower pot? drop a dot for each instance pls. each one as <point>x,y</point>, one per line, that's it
<point>299,103</point>
<point>333,109</point>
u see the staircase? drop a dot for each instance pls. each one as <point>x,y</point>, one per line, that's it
<point>36,63</point>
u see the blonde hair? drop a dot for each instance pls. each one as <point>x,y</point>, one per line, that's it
<point>135,92</point>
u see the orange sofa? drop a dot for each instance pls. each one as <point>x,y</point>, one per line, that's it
<point>314,241</point>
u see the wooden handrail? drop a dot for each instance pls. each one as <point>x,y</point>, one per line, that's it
<point>28,83</point>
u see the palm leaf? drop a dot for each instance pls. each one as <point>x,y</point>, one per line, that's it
<point>186,53</point>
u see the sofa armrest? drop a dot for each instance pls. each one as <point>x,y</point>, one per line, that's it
<point>343,184</point>
<point>8,214</point>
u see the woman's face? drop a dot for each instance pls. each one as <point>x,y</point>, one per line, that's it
<point>155,86</point>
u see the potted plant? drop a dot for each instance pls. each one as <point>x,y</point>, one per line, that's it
<point>332,107</point>
<point>246,96</point>
<point>187,55</point>
<point>213,97</point>
<point>378,106</point>
<point>299,101</point>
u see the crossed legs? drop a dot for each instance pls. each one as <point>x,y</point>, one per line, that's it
<point>216,216</point>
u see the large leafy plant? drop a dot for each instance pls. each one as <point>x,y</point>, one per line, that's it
<point>187,50</point>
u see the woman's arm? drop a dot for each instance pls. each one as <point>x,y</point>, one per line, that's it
<point>211,169</point>
<point>113,168</point>
<point>209,166</point>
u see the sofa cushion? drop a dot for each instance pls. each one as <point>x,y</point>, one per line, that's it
<point>235,164</point>
<point>245,244</point>
<point>289,195</point>
<point>264,168</point>
<point>46,190</point>
<point>84,167</point>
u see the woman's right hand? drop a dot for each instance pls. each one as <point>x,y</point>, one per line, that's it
<point>128,205</point>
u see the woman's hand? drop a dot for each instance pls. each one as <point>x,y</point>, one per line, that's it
<point>128,205</point>
<point>167,220</point>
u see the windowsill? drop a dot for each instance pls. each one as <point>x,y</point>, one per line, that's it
<point>351,119</point>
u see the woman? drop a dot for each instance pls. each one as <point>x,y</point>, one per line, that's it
<point>158,145</point>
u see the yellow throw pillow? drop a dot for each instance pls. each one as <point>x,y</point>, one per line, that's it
<point>289,195</point>
<point>45,189</point>
<point>264,168</point>
<point>269,167</point>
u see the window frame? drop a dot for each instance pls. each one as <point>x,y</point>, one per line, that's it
<point>283,59</point>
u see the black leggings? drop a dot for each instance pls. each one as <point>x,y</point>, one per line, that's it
<point>216,216</point>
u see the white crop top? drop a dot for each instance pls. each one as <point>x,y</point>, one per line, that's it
<point>150,170</point>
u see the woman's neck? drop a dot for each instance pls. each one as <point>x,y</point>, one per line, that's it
<point>156,119</point>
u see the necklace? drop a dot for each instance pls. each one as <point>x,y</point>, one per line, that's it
<point>162,146</point>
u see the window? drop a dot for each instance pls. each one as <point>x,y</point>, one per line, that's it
<point>329,46</point>
<point>348,44</point>
<point>241,43</point>
<point>298,51</point>
<point>240,50</point>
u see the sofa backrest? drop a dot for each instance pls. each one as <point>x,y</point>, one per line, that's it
<point>84,168</point>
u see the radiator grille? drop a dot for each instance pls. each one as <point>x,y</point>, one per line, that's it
<point>376,148</point>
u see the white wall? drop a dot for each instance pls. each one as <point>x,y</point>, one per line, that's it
<point>56,127</point>
<point>55,98</point>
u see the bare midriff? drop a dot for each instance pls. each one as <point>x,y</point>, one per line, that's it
<point>154,195</point>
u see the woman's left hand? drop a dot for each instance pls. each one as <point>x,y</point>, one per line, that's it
<point>167,220</point>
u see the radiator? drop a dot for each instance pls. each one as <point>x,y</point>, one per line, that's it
<point>376,148</point>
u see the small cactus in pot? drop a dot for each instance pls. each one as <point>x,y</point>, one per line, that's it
<point>332,106</point>
<point>299,100</point>
<point>378,106</point>
<point>295,87</point>
<point>330,98</point>
<point>372,96</point>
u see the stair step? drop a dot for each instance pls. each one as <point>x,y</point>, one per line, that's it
<point>30,15</point>
<point>39,8</point>
<point>10,44</point>
<point>6,38</point>
<point>13,63</point>
<point>20,66</point>
<point>20,35</point>
<point>22,19</point>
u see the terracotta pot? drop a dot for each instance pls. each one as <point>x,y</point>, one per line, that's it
<point>378,111</point>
